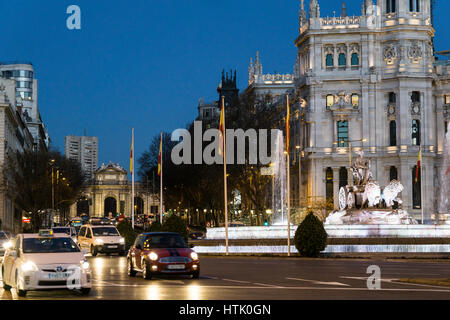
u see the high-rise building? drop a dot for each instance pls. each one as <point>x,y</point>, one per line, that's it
<point>26,92</point>
<point>84,150</point>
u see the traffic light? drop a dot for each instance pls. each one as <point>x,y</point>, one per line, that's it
<point>266,223</point>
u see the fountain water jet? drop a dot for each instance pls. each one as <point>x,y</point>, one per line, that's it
<point>279,206</point>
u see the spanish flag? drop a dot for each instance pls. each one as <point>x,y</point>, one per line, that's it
<point>131,152</point>
<point>160,156</point>
<point>288,131</point>
<point>418,165</point>
<point>222,127</point>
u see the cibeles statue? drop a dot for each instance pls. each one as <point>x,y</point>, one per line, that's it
<point>361,170</point>
<point>366,202</point>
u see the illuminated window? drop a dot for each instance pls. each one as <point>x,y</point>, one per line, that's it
<point>342,133</point>
<point>355,59</point>
<point>355,100</point>
<point>329,60</point>
<point>447,99</point>
<point>330,100</point>
<point>342,60</point>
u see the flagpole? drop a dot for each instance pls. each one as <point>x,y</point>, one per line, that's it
<point>225,177</point>
<point>421,183</point>
<point>288,214</point>
<point>161,187</point>
<point>132,178</point>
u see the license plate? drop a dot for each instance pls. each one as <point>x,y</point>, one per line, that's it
<point>59,275</point>
<point>112,247</point>
<point>175,266</point>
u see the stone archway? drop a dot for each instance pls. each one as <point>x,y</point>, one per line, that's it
<point>110,206</point>
<point>83,206</point>
<point>138,206</point>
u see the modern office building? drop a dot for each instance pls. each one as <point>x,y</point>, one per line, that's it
<point>26,93</point>
<point>84,150</point>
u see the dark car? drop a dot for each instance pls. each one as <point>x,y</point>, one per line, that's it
<point>162,253</point>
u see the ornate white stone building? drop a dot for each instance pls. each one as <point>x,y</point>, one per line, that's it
<point>371,82</point>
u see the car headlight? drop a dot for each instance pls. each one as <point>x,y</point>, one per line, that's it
<point>122,240</point>
<point>98,242</point>
<point>194,255</point>
<point>153,256</point>
<point>84,265</point>
<point>7,245</point>
<point>29,266</point>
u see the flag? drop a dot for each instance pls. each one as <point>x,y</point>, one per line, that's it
<point>288,131</point>
<point>160,156</point>
<point>131,152</point>
<point>418,165</point>
<point>222,128</point>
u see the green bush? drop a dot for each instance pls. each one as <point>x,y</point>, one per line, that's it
<point>310,237</point>
<point>126,231</point>
<point>155,227</point>
<point>176,224</point>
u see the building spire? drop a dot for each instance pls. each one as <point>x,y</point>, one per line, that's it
<point>258,65</point>
<point>344,10</point>
<point>314,9</point>
<point>302,14</point>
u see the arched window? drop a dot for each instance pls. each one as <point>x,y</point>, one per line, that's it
<point>393,133</point>
<point>390,6</point>
<point>355,59</point>
<point>342,60</point>
<point>329,60</point>
<point>393,174</point>
<point>330,100</point>
<point>355,100</point>
<point>415,132</point>
<point>414,5</point>
<point>343,177</point>
<point>329,184</point>
<point>416,188</point>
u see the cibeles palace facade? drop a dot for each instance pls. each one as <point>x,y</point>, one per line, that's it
<point>371,82</point>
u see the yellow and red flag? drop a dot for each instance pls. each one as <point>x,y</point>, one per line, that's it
<point>131,152</point>
<point>222,127</point>
<point>160,156</point>
<point>418,165</point>
<point>288,131</point>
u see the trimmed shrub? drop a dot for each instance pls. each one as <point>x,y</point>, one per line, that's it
<point>175,223</point>
<point>310,237</point>
<point>126,231</point>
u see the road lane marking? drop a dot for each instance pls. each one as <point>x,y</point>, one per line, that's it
<point>238,281</point>
<point>332,283</point>
<point>267,285</point>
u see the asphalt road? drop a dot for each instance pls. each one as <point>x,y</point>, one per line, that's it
<point>251,278</point>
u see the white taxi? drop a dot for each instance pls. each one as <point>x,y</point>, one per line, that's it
<point>45,261</point>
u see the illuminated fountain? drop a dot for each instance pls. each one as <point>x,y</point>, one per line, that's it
<point>366,203</point>
<point>279,184</point>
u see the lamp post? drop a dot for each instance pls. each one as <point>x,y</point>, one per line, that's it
<point>299,150</point>
<point>350,148</point>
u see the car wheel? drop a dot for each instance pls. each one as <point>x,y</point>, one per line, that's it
<point>20,293</point>
<point>5,286</point>
<point>94,251</point>
<point>130,269</point>
<point>196,274</point>
<point>85,291</point>
<point>146,273</point>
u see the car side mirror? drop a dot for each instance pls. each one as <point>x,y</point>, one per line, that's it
<point>191,245</point>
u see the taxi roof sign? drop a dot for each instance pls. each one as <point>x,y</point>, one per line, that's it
<point>46,233</point>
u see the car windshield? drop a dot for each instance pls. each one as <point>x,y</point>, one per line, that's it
<point>105,231</point>
<point>49,245</point>
<point>62,230</point>
<point>164,241</point>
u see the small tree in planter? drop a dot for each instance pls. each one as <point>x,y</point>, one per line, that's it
<point>126,230</point>
<point>310,237</point>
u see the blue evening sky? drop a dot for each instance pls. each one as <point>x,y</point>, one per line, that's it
<point>145,63</point>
